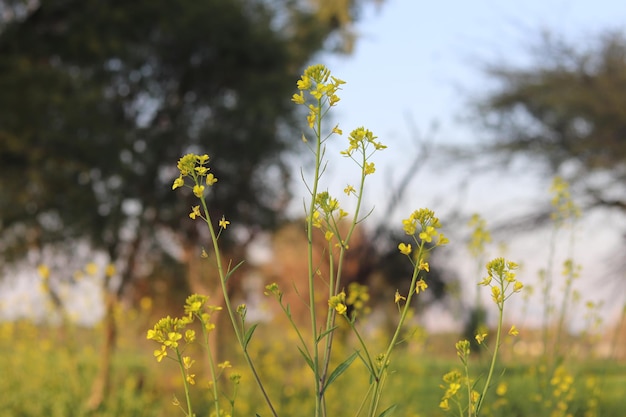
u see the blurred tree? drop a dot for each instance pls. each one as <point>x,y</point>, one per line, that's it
<point>99,100</point>
<point>567,112</point>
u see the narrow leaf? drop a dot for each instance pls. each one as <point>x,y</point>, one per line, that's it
<point>231,271</point>
<point>325,333</point>
<point>248,336</point>
<point>388,411</point>
<point>307,358</point>
<point>340,369</point>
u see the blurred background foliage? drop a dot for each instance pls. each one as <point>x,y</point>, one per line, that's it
<point>98,100</point>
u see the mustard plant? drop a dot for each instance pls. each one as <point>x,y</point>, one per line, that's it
<point>324,216</point>
<point>460,389</point>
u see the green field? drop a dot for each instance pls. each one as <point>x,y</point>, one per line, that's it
<point>48,372</point>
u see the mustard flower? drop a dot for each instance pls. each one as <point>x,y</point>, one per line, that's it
<point>513,331</point>
<point>405,248</point>
<point>178,182</point>
<point>187,362</point>
<point>110,270</point>
<point>224,223</point>
<point>298,98</point>
<point>91,268</point>
<point>210,180</point>
<point>190,336</point>
<point>424,266</point>
<point>44,271</point>
<point>480,337</point>
<point>329,235</point>
<point>427,235</point>
<point>191,378</point>
<point>462,348</point>
<point>198,190</point>
<point>398,297</point>
<point>480,236</point>
<point>420,286</point>
<point>349,190</point>
<point>444,404</point>
<point>195,212</point>
<point>160,353</point>
<point>369,168</point>
<point>224,365</point>
<point>338,302</point>
<point>187,163</point>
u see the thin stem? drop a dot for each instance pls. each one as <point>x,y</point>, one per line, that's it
<point>311,272</point>
<point>185,383</point>
<point>231,314</point>
<point>493,358</point>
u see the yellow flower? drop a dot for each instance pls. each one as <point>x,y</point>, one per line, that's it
<point>480,337</point>
<point>160,354</point>
<point>210,179</point>
<point>224,365</point>
<point>423,266</point>
<point>190,378</point>
<point>298,98</point>
<point>110,270</point>
<point>224,223</point>
<point>187,362</point>
<point>420,286</point>
<point>349,190</point>
<point>518,286</point>
<point>190,336</point>
<point>195,212</point>
<point>513,331</point>
<point>444,404</point>
<point>501,389</point>
<point>91,268</point>
<point>198,190</point>
<point>405,248</point>
<point>44,271</point>
<point>329,235</point>
<point>427,234</point>
<point>398,297</point>
<point>341,308</point>
<point>178,182</point>
<point>369,168</point>
<point>145,303</point>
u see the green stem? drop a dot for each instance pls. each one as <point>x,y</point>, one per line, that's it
<point>185,383</point>
<point>493,358</point>
<point>396,335</point>
<point>311,272</point>
<point>231,314</point>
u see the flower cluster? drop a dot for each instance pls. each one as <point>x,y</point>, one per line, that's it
<point>170,332</point>
<point>358,296</point>
<point>501,278</point>
<point>322,87</point>
<point>480,236</point>
<point>364,141</point>
<point>338,303</point>
<point>423,227</point>
<point>564,206</point>
<point>193,166</point>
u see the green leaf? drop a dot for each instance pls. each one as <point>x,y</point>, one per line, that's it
<point>327,332</point>
<point>248,336</point>
<point>388,411</point>
<point>307,358</point>
<point>231,271</point>
<point>340,369</point>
